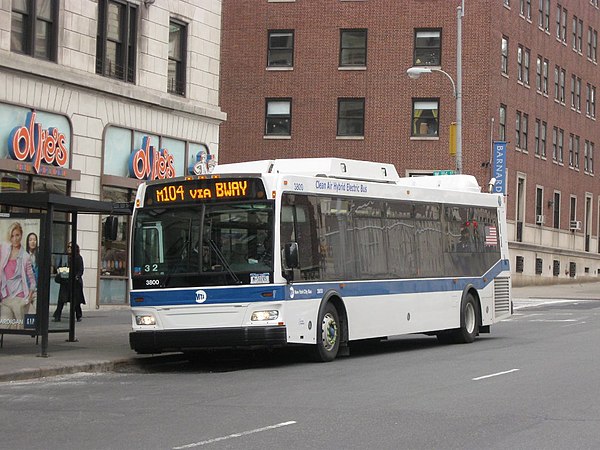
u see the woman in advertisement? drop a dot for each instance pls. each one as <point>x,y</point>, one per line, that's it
<point>17,280</point>
<point>33,251</point>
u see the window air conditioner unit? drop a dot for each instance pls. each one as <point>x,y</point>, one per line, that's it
<point>540,219</point>
<point>575,225</point>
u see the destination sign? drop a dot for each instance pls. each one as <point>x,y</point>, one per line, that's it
<point>205,190</point>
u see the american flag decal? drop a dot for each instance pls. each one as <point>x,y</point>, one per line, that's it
<point>491,236</point>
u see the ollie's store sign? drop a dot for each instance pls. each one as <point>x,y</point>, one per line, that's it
<point>31,143</point>
<point>148,163</point>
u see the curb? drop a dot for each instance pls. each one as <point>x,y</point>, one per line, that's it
<point>95,367</point>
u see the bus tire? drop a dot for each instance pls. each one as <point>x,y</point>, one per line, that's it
<point>328,334</point>
<point>469,320</point>
<point>469,324</point>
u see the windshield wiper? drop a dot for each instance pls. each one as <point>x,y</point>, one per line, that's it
<point>220,255</point>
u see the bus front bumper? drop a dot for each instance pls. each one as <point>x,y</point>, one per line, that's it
<point>149,342</point>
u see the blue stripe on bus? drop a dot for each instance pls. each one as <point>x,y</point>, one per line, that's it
<point>308,290</point>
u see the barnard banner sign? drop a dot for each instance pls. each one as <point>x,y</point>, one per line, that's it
<point>499,166</point>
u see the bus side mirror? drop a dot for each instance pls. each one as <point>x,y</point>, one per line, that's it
<point>111,227</point>
<point>290,255</point>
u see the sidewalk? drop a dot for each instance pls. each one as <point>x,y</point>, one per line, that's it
<point>103,338</point>
<point>102,344</point>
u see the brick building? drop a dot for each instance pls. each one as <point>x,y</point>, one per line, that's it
<point>328,78</point>
<point>115,79</point>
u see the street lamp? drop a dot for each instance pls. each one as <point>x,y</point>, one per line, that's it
<point>416,72</point>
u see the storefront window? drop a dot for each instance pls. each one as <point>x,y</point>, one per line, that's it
<point>10,117</point>
<point>12,182</point>
<point>197,153</point>
<point>113,254</point>
<point>117,149</point>
<point>175,148</point>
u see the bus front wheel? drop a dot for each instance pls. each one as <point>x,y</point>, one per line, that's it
<point>469,321</point>
<point>328,334</point>
<point>469,324</point>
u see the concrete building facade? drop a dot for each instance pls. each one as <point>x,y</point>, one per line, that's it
<point>328,78</point>
<point>120,91</point>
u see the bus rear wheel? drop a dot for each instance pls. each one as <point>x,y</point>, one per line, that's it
<point>328,334</point>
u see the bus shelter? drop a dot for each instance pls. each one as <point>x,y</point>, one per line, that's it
<point>38,212</point>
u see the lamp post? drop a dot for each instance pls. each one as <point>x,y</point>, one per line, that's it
<point>416,72</point>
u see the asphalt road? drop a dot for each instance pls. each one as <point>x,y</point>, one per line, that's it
<point>533,383</point>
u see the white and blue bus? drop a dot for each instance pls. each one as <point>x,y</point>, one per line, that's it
<point>317,252</point>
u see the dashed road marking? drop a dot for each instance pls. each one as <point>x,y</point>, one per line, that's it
<point>236,435</point>
<point>495,374</point>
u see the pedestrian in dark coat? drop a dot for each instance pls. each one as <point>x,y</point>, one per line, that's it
<point>62,278</point>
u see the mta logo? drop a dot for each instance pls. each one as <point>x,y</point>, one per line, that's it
<point>201,296</point>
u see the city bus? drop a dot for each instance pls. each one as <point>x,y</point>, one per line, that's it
<point>318,252</point>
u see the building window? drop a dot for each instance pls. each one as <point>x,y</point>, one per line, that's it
<point>525,132</point>
<point>116,42</point>
<point>425,117</point>
<point>177,51</point>
<point>518,130</point>
<point>538,74</point>
<point>580,36</point>
<point>526,60</point>
<point>592,39</point>
<point>571,154</point>
<point>561,143</point>
<point>520,52</point>
<point>544,15</point>
<point>555,144</point>
<point>281,48</point>
<point>556,82</point>
<point>353,48</point>
<point>563,35</point>
<point>561,89</point>
<point>539,202</point>
<point>538,125</point>
<point>543,129</point>
<point>574,33</point>
<point>586,156</point>
<point>576,151</point>
<point>573,209</point>
<point>525,8</point>
<point>351,117</point>
<point>428,48</point>
<point>504,55</point>
<point>33,28</point>
<point>545,66</point>
<point>578,94</point>
<point>558,16</point>
<point>502,123</point>
<point>556,211</point>
<point>278,117</point>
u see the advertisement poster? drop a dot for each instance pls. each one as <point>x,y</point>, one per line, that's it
<point>19,259</point>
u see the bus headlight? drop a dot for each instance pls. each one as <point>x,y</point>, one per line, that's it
<point>258,316</point>
<point>145,320</point>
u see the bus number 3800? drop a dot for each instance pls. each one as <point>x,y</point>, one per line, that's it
<point>152,282</point>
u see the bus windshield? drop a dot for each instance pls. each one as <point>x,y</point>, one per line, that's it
<point>206,244</point>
